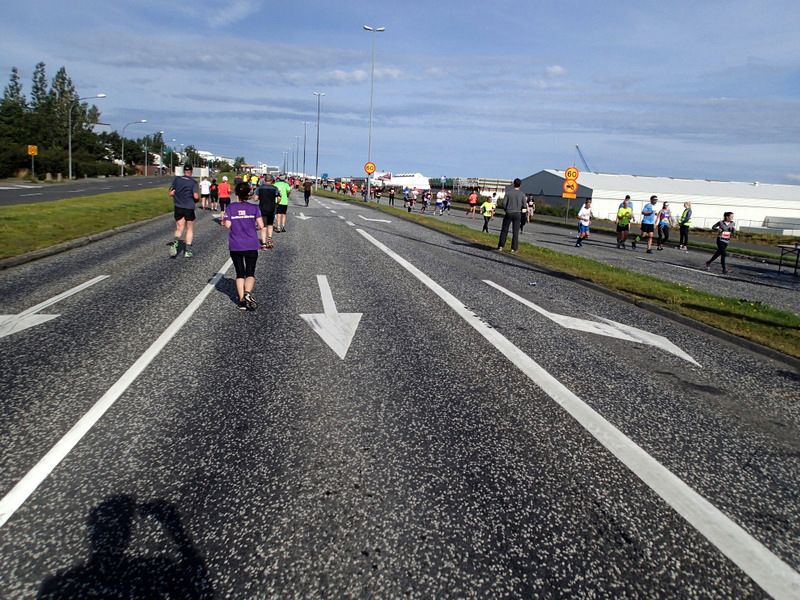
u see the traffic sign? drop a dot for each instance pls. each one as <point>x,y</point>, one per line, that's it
<point>33,150</point>
<point>369,168</point>
<point>566,195</point>
<point>570,186</point>
<point>571,173</point>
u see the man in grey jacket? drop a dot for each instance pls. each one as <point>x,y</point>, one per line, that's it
<point>515,204</point>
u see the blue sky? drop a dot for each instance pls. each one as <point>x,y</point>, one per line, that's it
<point>707,90</point>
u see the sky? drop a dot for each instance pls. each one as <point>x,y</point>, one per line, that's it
<point>689,89</point>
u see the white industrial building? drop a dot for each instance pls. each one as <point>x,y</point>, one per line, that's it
<point>756,206</point>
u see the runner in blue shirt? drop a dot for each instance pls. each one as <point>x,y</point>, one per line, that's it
<point>648,224</point>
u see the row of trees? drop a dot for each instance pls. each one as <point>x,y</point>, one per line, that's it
<point>43,120</point>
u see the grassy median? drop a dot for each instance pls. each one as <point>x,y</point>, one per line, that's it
<point>750,320</point>
<point>28,227</point>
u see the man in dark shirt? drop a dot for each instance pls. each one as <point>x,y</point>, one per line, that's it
<point>185,192</point>
<point>515,204</point>
<point>266,194</point>
<point>307,190</point>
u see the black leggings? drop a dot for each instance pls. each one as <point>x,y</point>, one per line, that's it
<point>722,251</point>
<point>244,262</point>
<point>684,235</point>
<point>663,232</point>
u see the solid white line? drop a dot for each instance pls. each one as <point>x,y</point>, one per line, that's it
<point>328,305</point>
<point>26,195</point>
<point>54,299</point>
<point>775,576</point>
<point>28,484</point>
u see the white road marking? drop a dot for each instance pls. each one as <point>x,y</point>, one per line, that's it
<point>28,484</point>
<point>26,195</point>
<point>776,577</point>
<point>28,318</point>
<point>375,220</point>
<point>302,217</point>
<point>335,328</point>
<point>608,328</point>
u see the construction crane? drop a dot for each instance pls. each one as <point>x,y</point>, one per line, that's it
<point>583,160</point>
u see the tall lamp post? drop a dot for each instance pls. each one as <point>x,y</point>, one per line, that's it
<point>69,134</point>
<point>305,123</point>
<point>319,96</point>
<point>161,154</point>
<point>122,167</point>
<point>374,30</point>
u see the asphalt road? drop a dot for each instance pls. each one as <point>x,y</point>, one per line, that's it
<point>29,193</point>
<point>480,437</point>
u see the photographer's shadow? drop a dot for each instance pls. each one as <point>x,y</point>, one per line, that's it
<point>111,572</point>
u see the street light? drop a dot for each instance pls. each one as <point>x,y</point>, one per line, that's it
<point>304,147</point>
<point>171,153</point>
<point>71,107</point>
<point>161,154</point>
<point>122,168</point>
<point>374,30</point>
<point>319,96</point>
<point>297,155</point>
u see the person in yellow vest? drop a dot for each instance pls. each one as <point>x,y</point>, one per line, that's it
<point>623,221</point>
<point>685,223</point>
<point>487,210</point>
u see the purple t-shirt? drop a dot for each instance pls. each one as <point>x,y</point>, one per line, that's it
<point>243,236</point>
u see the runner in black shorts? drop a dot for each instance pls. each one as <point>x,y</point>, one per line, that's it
<point>185,192</point>
<point>267,194</point>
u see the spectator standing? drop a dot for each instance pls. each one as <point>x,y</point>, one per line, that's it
<point>685,222</point>
<point>185,192</point>
<point>724,229</point>
<point>515,206</point>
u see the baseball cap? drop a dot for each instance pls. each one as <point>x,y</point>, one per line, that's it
<point>224,178</point>
<point>188,167</point>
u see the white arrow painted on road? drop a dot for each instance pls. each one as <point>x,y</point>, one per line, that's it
<point>10,324</point>
<point>608,328</point>
<point>375,220</point>
<point>302,217</point>
<point>336,329</point>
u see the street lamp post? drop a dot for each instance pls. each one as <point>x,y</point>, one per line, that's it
<point>69,133</point>
<point>171,153</point>
<point>122,167</point>
<point>297,155</point>
<point>374,30</point>
<point>305,123</point>
<point>319,96</point>
<point>161,154</point>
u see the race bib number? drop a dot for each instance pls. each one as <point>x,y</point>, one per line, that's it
<point>725,235</point>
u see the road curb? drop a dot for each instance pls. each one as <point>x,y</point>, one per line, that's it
<point>21,259</point>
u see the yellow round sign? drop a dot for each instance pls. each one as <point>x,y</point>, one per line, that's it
<point>571,173</point>
<point>570,186</point>
<point>369,168</point>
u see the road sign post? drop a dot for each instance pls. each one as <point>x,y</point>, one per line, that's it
<point>33,151</point>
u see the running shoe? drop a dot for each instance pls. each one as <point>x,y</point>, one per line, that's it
<point>708,266</point>
<point>249,301</point>
<point>263,246</point>
<point>173,249</point>
<point>633,245</point>
<point>726,271</point>
<point>650,251</point>
<point>187,254</point>
<point>269,243</point>
<point>242,305</point>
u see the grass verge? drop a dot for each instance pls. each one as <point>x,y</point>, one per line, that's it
<point>28,227</point>
<point>754,321</point>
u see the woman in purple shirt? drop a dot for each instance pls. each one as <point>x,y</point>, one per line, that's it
<point>244,222</point>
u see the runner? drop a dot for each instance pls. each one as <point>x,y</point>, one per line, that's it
<point>487,210</point>
<point>473,204</point>
<point>584,222</point>
<point>224,194</point>
<point>664,222</point>
<point>648,224</point>
<point>306,191</point>
<point>243,220</point>
<point>267,194</point>
<point>185,192</point>
<point>205,193</point>
<point>440,196</point>
<point>214,191</point>
<point>391,196</point>
<point>726,227</point>
<point>283,204</point>
<point>623,221</point>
